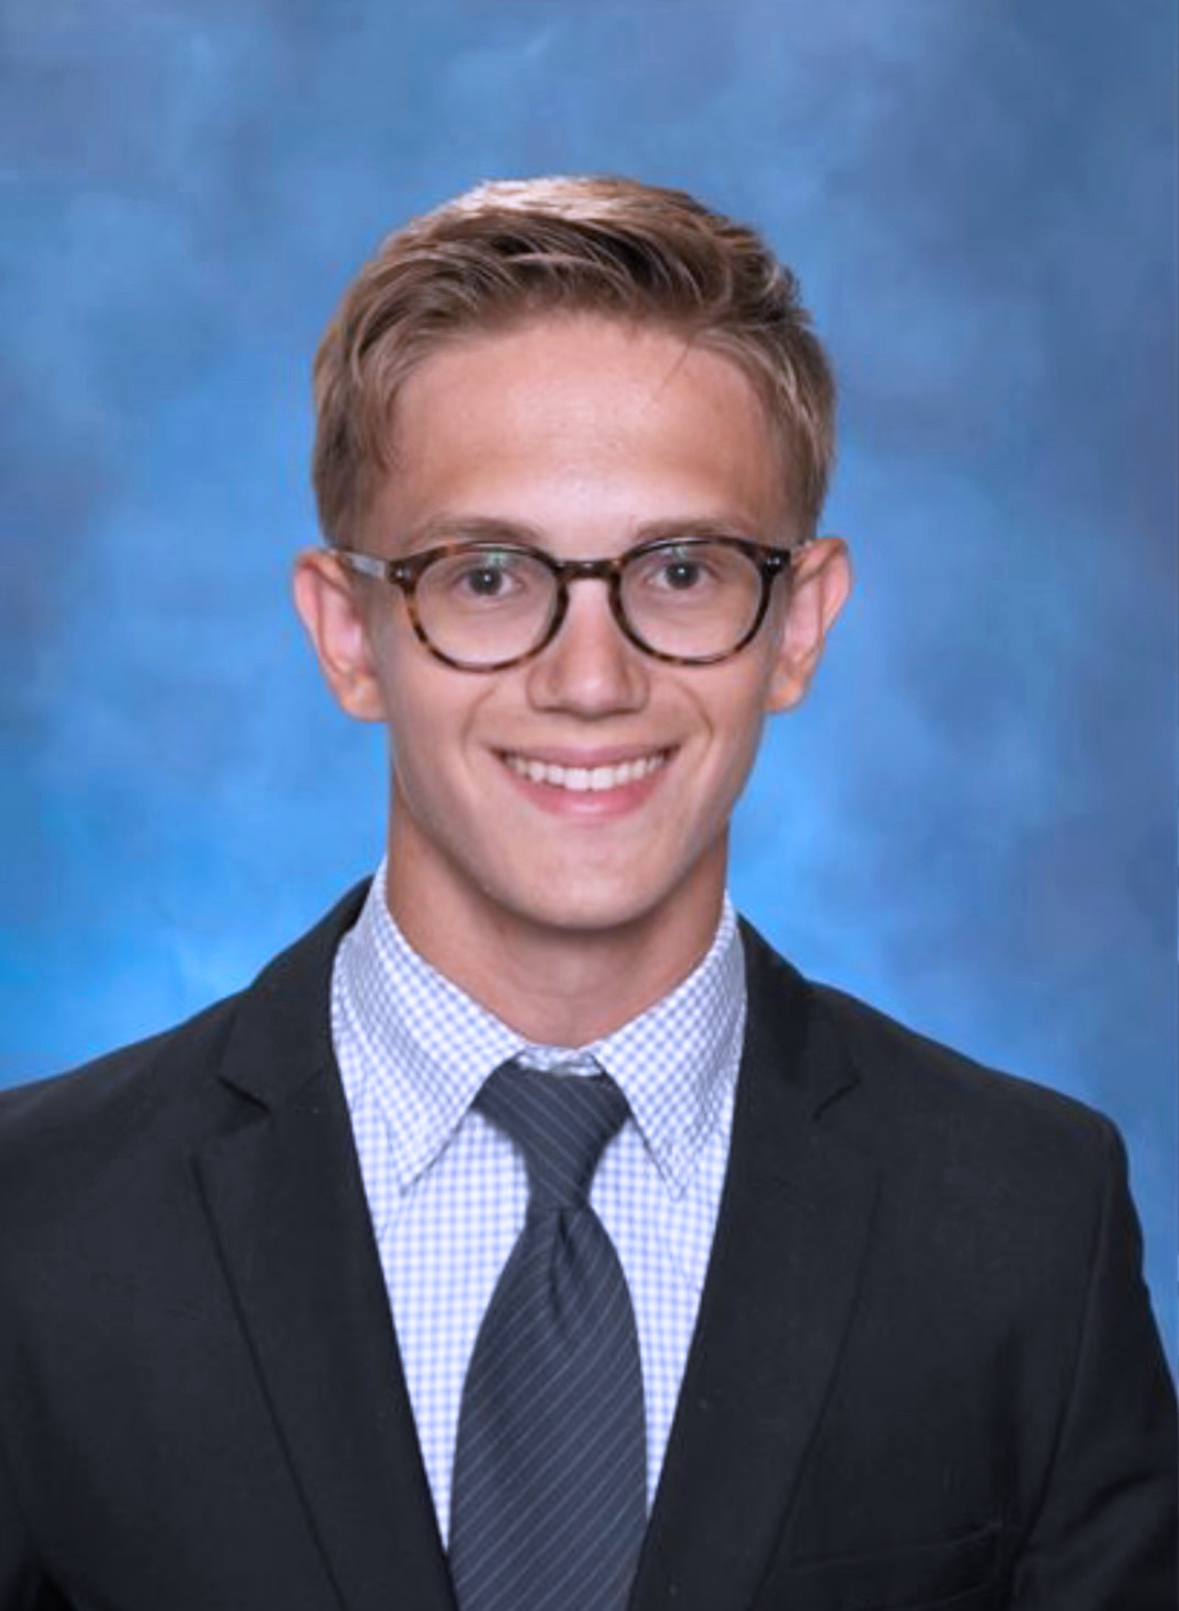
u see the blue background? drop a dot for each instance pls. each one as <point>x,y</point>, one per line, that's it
<point>972,823</point>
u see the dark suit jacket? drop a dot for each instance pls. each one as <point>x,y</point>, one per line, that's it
<point>925,1372</point>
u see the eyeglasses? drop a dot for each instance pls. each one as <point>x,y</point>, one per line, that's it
<point>484,606</point>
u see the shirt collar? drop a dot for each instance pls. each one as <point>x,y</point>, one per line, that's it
<point>426,1047</point>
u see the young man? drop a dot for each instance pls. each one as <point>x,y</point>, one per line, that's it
<point>529,1235</point>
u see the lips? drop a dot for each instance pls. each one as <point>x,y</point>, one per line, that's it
<point>587,779</point>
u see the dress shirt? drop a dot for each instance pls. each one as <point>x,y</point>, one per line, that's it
<point>447,1192</point>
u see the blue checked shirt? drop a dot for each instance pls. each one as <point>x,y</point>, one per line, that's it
<point>447,1191</point>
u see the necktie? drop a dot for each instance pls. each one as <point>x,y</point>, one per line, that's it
<point>549,1484</point>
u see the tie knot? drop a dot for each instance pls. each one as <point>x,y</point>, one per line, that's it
<point>561,1124</point>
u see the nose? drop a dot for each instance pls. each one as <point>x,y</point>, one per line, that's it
<point>589,668</point>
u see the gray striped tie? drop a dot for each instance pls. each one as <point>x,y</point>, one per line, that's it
<point>549,1489</point>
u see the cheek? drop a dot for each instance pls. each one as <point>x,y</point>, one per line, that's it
<point>734,719</point>
<point>740,757</point>
<point>431,720</point>
<point>742,704</point>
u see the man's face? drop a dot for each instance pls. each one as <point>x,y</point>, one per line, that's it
<point>582,436</point>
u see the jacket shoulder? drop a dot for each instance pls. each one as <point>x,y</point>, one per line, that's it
<point>909,1092</point>
<point>116,1087</point>
<point>164,1095</point>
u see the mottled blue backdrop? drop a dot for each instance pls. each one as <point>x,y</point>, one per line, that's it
<point>973,823</point>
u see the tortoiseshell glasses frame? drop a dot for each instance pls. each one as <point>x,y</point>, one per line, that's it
<point>766,562</point>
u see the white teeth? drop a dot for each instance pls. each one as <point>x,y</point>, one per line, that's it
<point>584,779</point>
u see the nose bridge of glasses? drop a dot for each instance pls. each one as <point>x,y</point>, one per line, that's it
<point>588,570</point>
<point>566,571</point>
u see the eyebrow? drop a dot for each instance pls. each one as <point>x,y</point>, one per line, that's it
<point>473,529</point>
<point>439,529</point>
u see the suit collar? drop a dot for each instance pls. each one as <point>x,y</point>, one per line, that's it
<point>282,1033</point>
<point>788,1036</point>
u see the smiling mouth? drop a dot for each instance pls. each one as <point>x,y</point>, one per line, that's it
<point>587,779</point>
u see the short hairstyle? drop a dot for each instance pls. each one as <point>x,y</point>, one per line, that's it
<point>510,250</point>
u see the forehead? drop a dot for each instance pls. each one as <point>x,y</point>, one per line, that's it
<point>565,417</point>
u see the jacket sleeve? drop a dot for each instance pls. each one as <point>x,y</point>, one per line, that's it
<point>1105,1533</point>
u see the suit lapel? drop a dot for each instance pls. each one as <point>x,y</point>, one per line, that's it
<point>786,1264</point>
<point>287,1204</point>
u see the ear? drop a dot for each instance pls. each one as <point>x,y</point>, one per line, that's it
<point>327,602</point>
<point>818,591</point>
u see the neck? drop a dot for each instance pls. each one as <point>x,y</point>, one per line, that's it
<point>554,986</point>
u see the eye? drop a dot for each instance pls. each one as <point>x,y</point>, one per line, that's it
<point>681,574</point>
<point>678,569</point>
<point>487,579</point>
<point>484,573</point>
<point>481,578</point>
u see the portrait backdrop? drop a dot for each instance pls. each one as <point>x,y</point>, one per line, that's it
<point>972,822</point>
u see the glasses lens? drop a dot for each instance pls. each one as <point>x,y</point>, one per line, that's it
<point>482,605</point>
<point>692,600</point>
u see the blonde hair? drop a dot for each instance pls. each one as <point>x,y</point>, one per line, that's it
<point>511,250</point>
